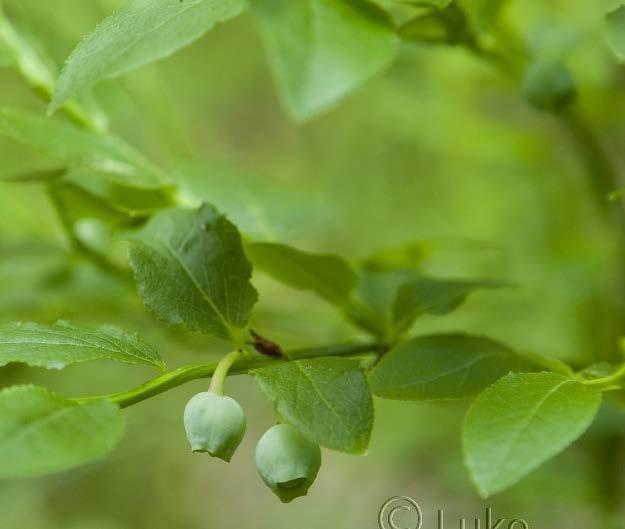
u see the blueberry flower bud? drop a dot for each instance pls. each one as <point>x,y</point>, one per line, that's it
<point>287,462</point>
<point>549,86</point>
<point>214,424</point>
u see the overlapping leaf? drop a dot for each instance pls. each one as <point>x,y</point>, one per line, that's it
<point>399,296</point>
<point>20,53</point>
<point>118,197</point>
<point>321,50</point>
<point>377,289</point>
<point>442,366</point>
<point>425,295</point>
<point>97,175</point>
<point>327,399</point>
<point>61,344</point>
<point>141,32</point>
<point>328,276</point>
<point>77,148</point>
<point>191,270</point>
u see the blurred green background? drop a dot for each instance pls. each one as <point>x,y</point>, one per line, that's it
<point>441,149</point>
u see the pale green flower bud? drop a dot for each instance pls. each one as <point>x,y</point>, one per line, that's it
<point>549,86</point>
<point>287,462</point>
<point>214,424</point>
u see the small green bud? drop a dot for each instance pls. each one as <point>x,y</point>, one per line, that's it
<point>214,424</point>
<point>287,462</point>
<point>548,85</point>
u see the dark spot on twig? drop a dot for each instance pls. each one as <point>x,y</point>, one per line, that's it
<point>264,346</point>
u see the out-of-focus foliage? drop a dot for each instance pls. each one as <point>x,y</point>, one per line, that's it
<point>321,50</point>
<point>142,32</point>
<point>35,426</point>
<point>441,149</point>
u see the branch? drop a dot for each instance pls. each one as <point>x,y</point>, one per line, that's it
<point>35,71</point>
<point>81,248</point>
<point>599,167</point>
<point>182,375</point>
<point>604,178</point>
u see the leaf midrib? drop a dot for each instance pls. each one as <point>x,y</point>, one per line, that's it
<point>114,349</point>
<point>326,290</point>
<point>123,50</point>
<point>322,398</point>
<point>522,428</point>
<point>39,422</point>
<point>198,287</point>
<point>457,369</point>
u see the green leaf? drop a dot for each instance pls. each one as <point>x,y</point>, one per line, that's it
<point>522,421</point>
<point>105,205</point>
<point>615,31</point>
<point>442,366</point>
<point>327,399</point>
<point>39,71</point>
<point>74,204</point>
<point>377,289</point>
<point>78,148</point>
<point>426,295</point>
<point>41,432</point>
<point>321,50</point>
<point>56,346</point>
<point>124,197</point>
<point>547,363</point>
<point>328,276</point>
<point>191,269</point>
<point>93,194</point>
<point>21,54</point>
<point>141,32</point>
<point>262,208</point>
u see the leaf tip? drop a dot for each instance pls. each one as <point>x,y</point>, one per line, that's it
<point>483,492</point>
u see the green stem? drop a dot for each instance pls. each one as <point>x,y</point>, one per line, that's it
<point>81,248</point>
<point>221,371</point>
<point>39,76</point>
<point>182,375</point>
<point>607,380</point>
<point>603,178</point>
<point>598,165</point>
